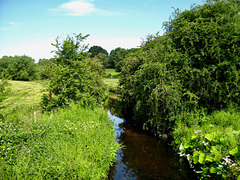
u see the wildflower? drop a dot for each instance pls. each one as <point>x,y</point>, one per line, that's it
<point>205,143</point>
<point>181,154</point>
<point>188,157</point>
<point>181,148</point>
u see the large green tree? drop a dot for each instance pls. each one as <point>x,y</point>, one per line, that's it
<point>95,50</point>
<point>18,67</point>
<point>194,65</point>
<point>118,55</point>
<point>77,78</point>
<point>209,35</point>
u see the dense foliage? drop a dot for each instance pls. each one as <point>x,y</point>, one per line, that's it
<point>46,68</point>
<point>77,77</point>
<point>210,142</point>
<point>73,143</point>
<point>18,67</point>
<point>117,56</point>
<point>95,50</point>
<point>193,69</point>
<point>194,65</point>
<point>209,36</point>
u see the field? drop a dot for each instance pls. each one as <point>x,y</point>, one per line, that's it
<point>111,79</point>
<point>23,94</point>
<point>68,143</point>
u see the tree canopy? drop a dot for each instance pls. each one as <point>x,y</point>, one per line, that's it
<point>194,65</point>
<point>18,67</point>
<point>95,50</point>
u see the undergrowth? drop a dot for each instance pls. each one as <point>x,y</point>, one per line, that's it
<point>71,143</point>
<point>210,143</point>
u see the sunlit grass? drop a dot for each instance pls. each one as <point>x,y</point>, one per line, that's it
<point>70,143</point>
<point>111,73</point>
<point>22,94</point>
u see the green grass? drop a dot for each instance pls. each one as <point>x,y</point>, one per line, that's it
<point>111,73</point>
<point>22,94</point>
<point>111,84</point>
<point>111,79</point>
<point>70,143</point>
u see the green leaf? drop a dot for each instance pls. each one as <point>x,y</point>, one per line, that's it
<point>209,158</point>
<point>213,170</point>
<point>234,151</point>
<point>196,157</point>
<point>202,157</point>
<point>209,137</point>
<point>194,137</point>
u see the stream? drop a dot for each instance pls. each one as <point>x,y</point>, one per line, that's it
<point>142,156</point>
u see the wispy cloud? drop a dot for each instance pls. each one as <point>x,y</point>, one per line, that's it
<point>13,23</point>
<point>74,8</point>
<point>4,28</point>
<point>10,25</point>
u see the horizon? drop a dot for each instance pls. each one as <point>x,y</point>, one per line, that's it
<point>29,27</point>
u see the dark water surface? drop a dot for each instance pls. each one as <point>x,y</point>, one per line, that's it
<point>144,157</point>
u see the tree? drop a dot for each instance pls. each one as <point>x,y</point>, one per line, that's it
<point>209,36</point>
<point>103,58</point>
<point>46,68</point>
<point>18,67</point>
<point>118,55</point>
<point>77,78</point>
<point>95,50</point>
<point>194,65</point>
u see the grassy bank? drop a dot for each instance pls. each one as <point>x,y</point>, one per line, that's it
<point>70,143</point>
<point>210,143</point>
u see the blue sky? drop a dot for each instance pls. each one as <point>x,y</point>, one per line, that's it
<point>30,26</point>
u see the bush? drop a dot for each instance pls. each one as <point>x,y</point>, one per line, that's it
<point>77,77</point>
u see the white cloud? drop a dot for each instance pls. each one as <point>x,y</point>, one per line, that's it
<point>74,8</point>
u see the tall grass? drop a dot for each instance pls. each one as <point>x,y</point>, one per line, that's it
<point>72,143</point>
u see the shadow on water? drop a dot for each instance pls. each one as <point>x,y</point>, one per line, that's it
<point>142,156</point>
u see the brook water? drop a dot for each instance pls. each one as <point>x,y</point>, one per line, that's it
<point>143,156</point>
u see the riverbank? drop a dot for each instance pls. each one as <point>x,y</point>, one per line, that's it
<point>210,143</point>
<point>68,143</point>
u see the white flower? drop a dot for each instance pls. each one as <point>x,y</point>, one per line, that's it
<point>181,148</point>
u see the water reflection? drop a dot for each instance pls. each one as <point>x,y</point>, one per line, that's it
<point>143,156</point>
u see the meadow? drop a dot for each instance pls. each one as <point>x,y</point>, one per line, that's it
<point>111,79</point>
<point>67,143</point>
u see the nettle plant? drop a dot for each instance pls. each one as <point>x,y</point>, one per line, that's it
<point>215,154</point>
